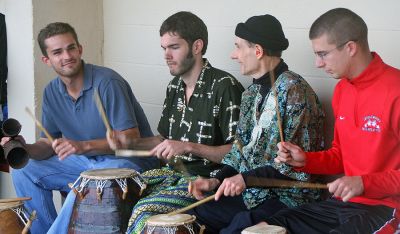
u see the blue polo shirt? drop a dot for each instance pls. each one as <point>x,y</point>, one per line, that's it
<point>80,120</point>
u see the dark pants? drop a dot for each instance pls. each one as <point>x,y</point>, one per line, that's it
<point>333,216</point>
<point>230,215</point>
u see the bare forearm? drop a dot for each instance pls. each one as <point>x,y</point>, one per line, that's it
<point>146,143</point>
<point>40,150</point>
<point>96,147</point>
<point>212,153</point>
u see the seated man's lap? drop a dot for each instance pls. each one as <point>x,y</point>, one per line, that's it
<point>332,214</point>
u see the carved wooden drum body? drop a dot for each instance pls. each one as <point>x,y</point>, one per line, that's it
<point>13,218</point>
<point>104,202</point>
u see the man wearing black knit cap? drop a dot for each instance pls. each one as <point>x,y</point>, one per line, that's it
<point>258,49</point>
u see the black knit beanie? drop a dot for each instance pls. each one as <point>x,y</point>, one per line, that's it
<point>264,30</point>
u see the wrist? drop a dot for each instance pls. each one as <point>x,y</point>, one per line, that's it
<point>188,147</point>
<point>215,183</point>
<point>85,147</point>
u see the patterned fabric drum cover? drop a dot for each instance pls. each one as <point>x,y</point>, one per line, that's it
<point>13,218</point>
<point>263,228</point>
<point>170,224</point>
<point>104,201</point>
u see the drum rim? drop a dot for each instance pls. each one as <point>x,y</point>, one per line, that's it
<point>96,173</point>
<point>151,222</point>
<point>10,205</point>
<point>265,227</point>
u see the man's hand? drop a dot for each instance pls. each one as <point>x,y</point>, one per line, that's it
<point>347,187</point>
<point>19,138</point>
<point>231,186</point>
<point>202,185</point>
<point>64,147</point>
<point>117,140</point>
<point>169,148</point>
<point>290,154</point>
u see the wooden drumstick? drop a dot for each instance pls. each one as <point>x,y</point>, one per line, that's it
<point>15,199</point>
<point>100,107</point>
<point>278,114</point>
<point>132,153</point>
<point>261,182</point>
<point>207,199</point>
<point>40,126</point>
<point>29,223</point>
<point>270,182</point>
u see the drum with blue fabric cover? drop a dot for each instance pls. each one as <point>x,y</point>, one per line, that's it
<point>104,201</point>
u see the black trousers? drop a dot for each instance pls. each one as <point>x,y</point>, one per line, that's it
<point>332,216</point>
<point>229,215</point>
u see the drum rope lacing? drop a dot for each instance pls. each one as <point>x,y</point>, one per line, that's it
<point>76,181</point>
<point>171,230</point>
<point>139,180</point>
<point>83,184</point>
<point>19,211</point>
<point>100,184</point>
<point>123,184</point>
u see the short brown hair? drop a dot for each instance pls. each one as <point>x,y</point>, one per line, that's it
<point>188,26</point>
<point>340,25</point>
<point>54,29</point>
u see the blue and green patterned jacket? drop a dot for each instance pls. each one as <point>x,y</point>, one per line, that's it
<point>302,119</point>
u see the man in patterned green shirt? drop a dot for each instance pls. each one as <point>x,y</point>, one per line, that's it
<point>259,45</point>
<point>198,122</point>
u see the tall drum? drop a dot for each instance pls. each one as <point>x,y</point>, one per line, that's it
<point>104,202</point>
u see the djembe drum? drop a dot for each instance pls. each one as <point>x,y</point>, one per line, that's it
<point>104,201</point>
<point>263,228</point>
<point>169,224</point>
<point>13,218</point>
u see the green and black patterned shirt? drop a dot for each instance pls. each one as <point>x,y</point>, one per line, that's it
<point>210,117</point>
<point>302,119</point>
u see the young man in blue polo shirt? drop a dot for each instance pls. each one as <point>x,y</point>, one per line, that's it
<point>71,117</point>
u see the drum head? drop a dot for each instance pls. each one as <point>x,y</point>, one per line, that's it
<point>264,228</point>
<point>109,173</point>
<point>167,220</point>
<point>9,205</point>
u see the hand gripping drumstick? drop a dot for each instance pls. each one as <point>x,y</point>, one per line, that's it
<point>40,126</point>
<point>207,199</point>
<point>259,182</point>
<point>118,152</point>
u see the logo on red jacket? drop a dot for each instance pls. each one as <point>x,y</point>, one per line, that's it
<point>371,124</point>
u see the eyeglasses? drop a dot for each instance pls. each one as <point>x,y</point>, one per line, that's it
<point>322,54</point>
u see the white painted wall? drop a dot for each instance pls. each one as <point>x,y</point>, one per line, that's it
<point>132,47</point>
<point>131,43</point>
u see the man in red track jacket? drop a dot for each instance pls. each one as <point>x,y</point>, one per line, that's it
<point>366,145</point>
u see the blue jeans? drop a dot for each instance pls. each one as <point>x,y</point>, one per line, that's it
<point>39,178</point>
